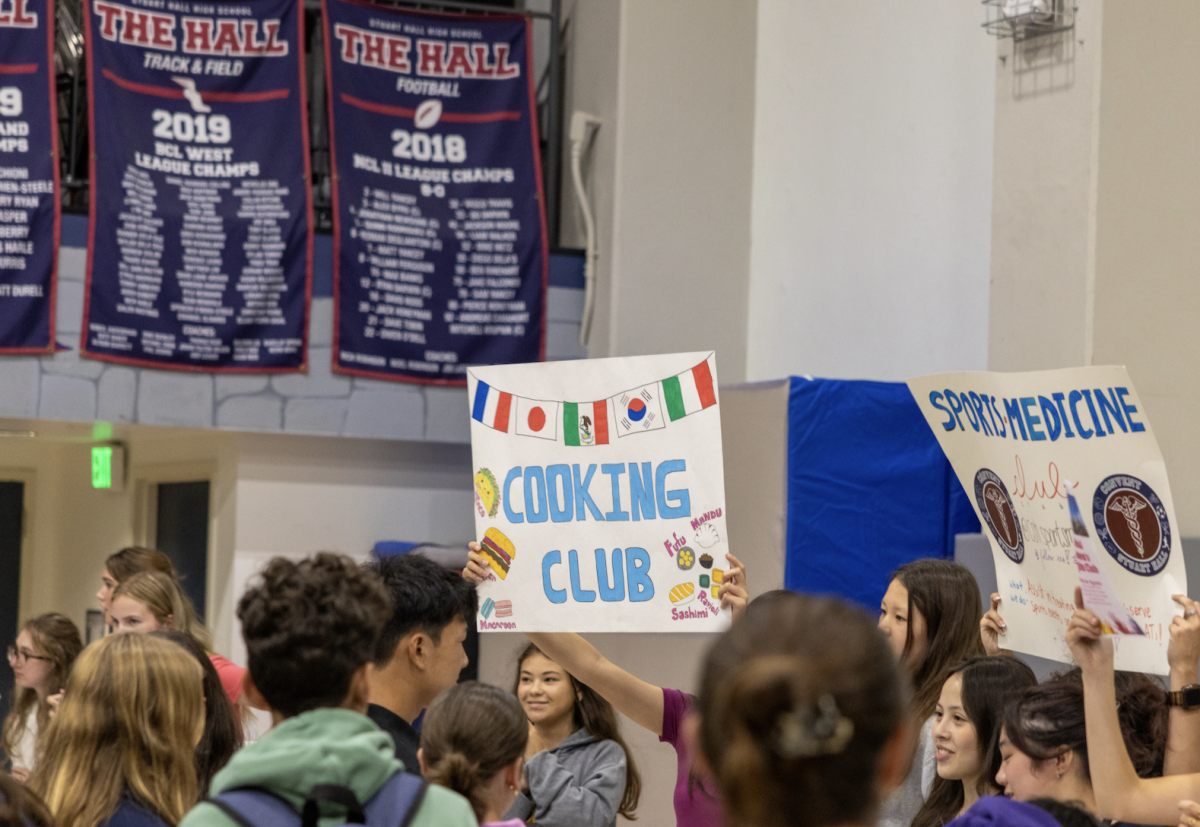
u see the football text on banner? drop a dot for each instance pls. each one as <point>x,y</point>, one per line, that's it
<point>199,240</point>
<point>29,200</point>
<point>1015,440</point>
<point>585,532</point>
<point>440,251</point>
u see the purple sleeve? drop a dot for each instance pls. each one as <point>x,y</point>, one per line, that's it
<point>676,706</point>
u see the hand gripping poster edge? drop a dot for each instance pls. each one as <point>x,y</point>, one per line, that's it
<point>91,230</point>
<point>337,236</point>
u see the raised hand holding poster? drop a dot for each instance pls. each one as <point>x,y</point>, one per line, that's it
<point>600,495</point>
<point>29,212</point>
<point>1022,444</point>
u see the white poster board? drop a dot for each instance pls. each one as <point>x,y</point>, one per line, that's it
<point>600,494</point>
<point>1015,440</point>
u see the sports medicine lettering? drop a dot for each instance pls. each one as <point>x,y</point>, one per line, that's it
<point>1092,412</point>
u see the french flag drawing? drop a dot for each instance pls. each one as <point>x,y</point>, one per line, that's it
<point>491,407</point>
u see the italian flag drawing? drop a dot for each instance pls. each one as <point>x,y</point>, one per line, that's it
<point>689,391</point>
<point>585,423</point>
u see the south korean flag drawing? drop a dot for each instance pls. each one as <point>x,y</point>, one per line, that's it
<point>639,410</point>
<point>537,417</point>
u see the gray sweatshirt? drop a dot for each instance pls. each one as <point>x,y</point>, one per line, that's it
<point>579,783</point>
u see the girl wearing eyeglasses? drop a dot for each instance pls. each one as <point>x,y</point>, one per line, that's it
<point>41,658</point>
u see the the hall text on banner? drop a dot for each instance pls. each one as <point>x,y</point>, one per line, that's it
<point>1020,442</point>
<point>441,259</point>
<point>199,244</point>
<point>600,495</point>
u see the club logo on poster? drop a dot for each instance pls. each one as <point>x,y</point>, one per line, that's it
<point>586,531</point>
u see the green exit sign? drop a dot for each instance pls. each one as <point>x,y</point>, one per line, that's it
<point>108,467</point>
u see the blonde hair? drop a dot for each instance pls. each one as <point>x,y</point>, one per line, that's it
<point>127,726</point>
<point>161,595</point>
<point>58,639</point>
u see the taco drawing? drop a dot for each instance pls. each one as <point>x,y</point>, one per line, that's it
<point>488,491</point>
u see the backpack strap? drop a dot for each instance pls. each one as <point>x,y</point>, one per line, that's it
<point>397,801</point>
<point>256,807</point>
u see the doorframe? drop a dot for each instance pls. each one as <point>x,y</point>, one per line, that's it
<point>146,479</point>
<point>28,479</point>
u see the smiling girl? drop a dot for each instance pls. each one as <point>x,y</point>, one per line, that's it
<point>578,770</point>
<point>965,726</point>
<point>930,617</point>
<point>45,649</point>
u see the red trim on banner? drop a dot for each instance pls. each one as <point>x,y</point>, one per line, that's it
<point>29,69</point>
<point>91,236</point>
<point>308,194</point>
<point>451,117</point>
<point>236,97</point>
<point>52,343</point>
<point>402,112</point>
<point>333,189</point>
<point>177,94</point>
<point>541,191</point>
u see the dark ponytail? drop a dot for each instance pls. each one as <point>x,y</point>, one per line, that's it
<point>470,733</point>
<point>797,702</point>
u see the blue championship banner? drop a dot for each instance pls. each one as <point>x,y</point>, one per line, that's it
<point>440,252</point>
<point>29,202</point>
<point>199,240</point>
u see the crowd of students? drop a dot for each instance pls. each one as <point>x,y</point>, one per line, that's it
<point>810,713</point>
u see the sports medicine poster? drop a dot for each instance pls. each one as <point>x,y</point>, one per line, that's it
<point>440,248</point>
<point>29,200</point>
<point>1017,442</point>
<point>199,243</point>
<point>600,495</point>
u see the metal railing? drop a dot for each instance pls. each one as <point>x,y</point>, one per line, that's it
<point>71,72</point>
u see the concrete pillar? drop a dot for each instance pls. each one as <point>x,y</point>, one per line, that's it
<point>1096,208</point>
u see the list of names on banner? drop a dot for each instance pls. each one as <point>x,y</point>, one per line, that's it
<point>28,186</point>
<point>442,260</point>
<point>211,239</point>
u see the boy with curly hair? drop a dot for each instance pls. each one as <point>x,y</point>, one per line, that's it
<point>311,628</point>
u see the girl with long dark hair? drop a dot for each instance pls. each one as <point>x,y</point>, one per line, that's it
<point>930,616</point>
<point>222,732</point>
<point>965,734</point>
<point>578,769</point>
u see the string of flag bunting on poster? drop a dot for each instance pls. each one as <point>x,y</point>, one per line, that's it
<point>637,410</point>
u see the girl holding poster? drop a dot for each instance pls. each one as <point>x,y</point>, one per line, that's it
<point>578,770</point>
<point>1120,793</point>
<point>658,709</point>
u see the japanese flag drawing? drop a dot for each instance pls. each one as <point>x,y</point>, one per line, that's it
<point>639,410</point>
<point>537,417</point>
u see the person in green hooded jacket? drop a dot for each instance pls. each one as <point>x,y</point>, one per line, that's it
<point>310,629</point>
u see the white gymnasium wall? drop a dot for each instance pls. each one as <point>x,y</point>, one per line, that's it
<point>296,496</point>
<point>872,189</point>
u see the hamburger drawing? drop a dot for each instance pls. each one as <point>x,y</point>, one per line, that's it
<point>499,551</point>
<point>488,491</point>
